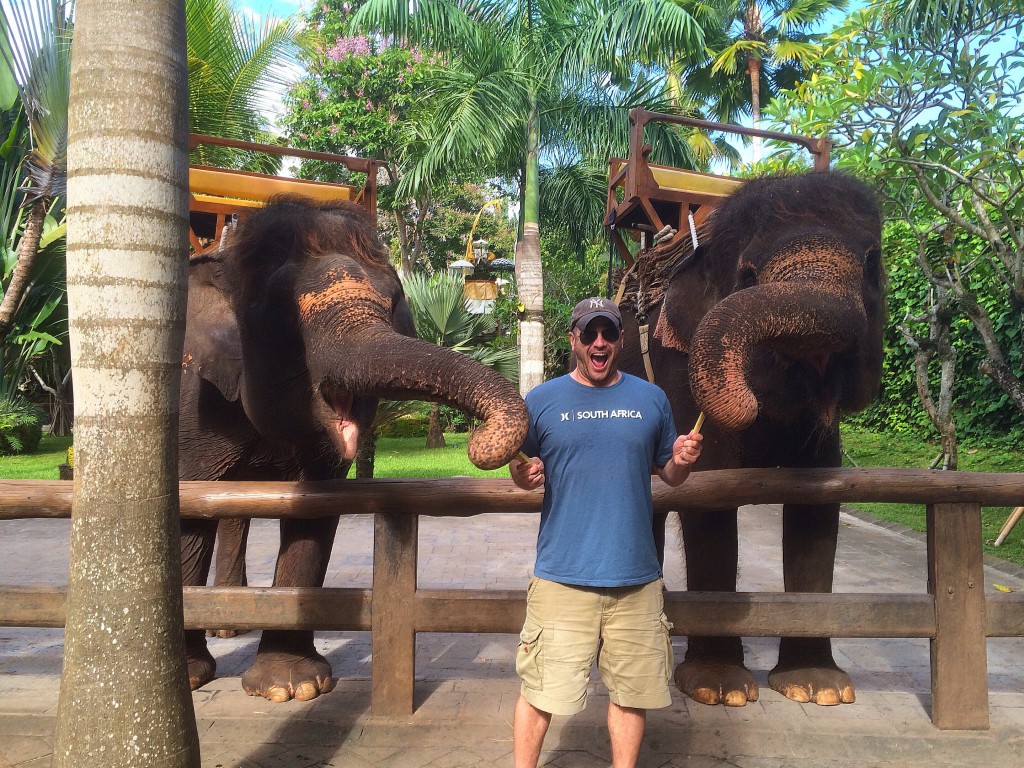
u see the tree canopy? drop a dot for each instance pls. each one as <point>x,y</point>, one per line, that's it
<point>937,125</point>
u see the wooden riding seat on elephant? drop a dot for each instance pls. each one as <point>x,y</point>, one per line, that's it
<point>772,326</point>
<point>293,332</point>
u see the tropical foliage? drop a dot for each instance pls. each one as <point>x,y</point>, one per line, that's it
<point>238,72</point>
<point>20,426</point>
<point>36,47</point>
<point>34,71</point>
<point>441,315</point>
<point>770,45</point>
<point>518,73</point>
<point>937,125</point>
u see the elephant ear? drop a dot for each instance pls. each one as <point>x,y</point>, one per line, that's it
<point>213,344</point>
<point>692,290</point>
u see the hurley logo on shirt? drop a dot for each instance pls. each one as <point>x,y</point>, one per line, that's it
<point>621,413</point>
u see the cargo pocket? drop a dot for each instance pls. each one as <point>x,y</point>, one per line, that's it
<point>530,657</point>
<point>670,658</point>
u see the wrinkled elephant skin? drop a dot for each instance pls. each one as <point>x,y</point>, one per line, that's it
<point>293,333</point>
<point>772,327</point>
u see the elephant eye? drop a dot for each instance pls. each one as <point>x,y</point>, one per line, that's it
<point>747,277</point>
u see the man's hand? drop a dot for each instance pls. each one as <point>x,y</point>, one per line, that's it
<point>527,474</point>
<point>685,451</point>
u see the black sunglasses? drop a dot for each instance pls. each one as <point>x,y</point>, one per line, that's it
<point>588,337</point>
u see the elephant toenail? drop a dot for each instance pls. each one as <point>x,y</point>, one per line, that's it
<point>306,691</point>
<point>278,695</point>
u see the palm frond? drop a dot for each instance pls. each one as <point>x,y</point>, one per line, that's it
<point>440,313</point>
<point>37,49</point>
<point>442,25</point>
<point>796,50</point>
<point>503,360</point>
<point>573,197</point>
<point>239,71</point>
<point>644,31</point>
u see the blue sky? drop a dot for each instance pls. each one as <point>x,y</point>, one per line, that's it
<point>277,8</point>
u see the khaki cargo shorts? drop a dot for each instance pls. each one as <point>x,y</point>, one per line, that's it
<point>568,626</point>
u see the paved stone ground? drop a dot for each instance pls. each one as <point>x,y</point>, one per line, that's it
<point>466,684</point>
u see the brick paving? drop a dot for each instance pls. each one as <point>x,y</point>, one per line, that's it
<point>466,684</point>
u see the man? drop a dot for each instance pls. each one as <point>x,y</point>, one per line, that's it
<point>595,435</point>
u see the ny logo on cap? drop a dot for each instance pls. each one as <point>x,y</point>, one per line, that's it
<point>597,303</point>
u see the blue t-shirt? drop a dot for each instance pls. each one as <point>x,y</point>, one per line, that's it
<point>598,445</point>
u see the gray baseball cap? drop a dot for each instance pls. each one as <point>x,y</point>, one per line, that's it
<point>593,307</point>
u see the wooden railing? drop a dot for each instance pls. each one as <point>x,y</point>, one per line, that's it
<point>955,613</point>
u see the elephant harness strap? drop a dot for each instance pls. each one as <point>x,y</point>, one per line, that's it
<point>643,327</point>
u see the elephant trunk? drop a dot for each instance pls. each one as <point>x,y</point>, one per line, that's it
<point>386,364</point>
<point>807,306</point>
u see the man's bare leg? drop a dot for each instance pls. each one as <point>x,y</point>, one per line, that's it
<point>529,726</point>
<point>626,730</point>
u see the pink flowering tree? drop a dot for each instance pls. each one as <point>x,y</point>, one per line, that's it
<point>364,95</point>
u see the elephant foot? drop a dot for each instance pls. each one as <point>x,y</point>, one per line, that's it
<point>226,632</point>
<point>713,681</point>
<point>202,667</point>
<point>281,676</point>
<point>823,685</point>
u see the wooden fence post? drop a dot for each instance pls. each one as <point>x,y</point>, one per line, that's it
<point>958,650</point>
<point>393,614</point>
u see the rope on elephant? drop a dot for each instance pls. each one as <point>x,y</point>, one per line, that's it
<point>646,281</point>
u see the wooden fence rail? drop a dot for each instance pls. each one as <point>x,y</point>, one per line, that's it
<point>955,614</point>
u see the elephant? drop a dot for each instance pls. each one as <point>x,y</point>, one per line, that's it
<point>293,332</point>
<point>772,326</point>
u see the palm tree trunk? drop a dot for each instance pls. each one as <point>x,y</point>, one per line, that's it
<point>529,270</point>
<point>124,696</point>
<point>753,29</point>
<point>21,277</point>
<point>366,454</point>
<point>435,435</point>
<point>754,70</point>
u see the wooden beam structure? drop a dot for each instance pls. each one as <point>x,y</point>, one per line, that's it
<point>954,614</point>
<point>220,197</point>
<point>643,197</point>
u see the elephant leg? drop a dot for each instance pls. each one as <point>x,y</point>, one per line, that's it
<point>229,567</point>
<point>287,664</point>
<point>712,671</point>
<point>197,537</point>
<point>807,671</point>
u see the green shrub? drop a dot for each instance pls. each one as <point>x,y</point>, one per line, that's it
<point>21,426</point>
<point>413,425</point>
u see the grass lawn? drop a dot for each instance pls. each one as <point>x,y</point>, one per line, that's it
<point>408,457</point>
<point>41,465</point>
<point>870,449</point>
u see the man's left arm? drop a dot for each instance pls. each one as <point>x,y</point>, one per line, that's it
<point>685,451</point>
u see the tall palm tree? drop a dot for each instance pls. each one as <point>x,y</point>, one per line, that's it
<point>506,60</point>
<point>442,317</point>
<point>35,40</point>
<point>771,42</point>
<point>124,697</point>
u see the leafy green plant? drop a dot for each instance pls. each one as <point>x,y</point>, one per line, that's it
<point>441,315</point>
<point>21,426</point>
